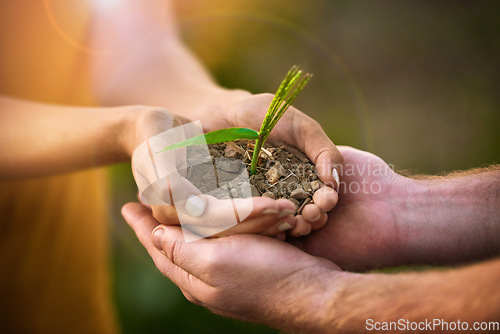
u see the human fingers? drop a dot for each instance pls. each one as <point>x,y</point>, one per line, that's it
<point>240,215</point>
<point>275,225</point>
<point>302,227</point>
<point>314,216</point>
<point>215,260</point>
<point>306,134</point>
<point>325,198</point>
<point>268,217</point>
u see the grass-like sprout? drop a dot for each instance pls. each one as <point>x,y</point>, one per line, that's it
<point>287,92</point>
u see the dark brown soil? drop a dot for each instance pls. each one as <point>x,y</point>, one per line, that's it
<point>283,171</point>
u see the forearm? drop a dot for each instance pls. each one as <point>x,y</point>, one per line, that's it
<point>149,64</point>
<point>450,219</point>
<point>40,139</point>
<point>365,302</point>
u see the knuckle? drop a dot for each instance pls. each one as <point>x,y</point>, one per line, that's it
<point>153,119</point>
<point>153,113</point>
<point>305,125</point>
<point>266,96</point>
<point>172,249</point>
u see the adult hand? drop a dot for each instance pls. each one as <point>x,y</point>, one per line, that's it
<point>242,109</point>
<point>261,279</point>
<point>248,277</point>
<point>363,231</point>
<point>385,219</point>
<point>173,199</point>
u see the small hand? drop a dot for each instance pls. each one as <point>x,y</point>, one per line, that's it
<point>248,277</point>
<point>241,109</point>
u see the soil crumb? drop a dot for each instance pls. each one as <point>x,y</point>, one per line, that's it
<point>282,172</point>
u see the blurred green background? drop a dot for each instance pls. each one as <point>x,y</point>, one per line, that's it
<point>415,82</point>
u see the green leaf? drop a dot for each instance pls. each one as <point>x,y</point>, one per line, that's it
<point>214,137</point>
<point>287,91</point>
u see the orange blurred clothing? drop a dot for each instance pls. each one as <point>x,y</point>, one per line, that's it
<point>53,230</point>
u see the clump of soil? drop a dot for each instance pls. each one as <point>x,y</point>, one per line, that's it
<point>283,171</point>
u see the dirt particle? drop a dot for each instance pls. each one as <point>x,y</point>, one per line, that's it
<point>275,173</point>
<point>307,186</point>
<point>268,194</point>
<point>230,152</point>
<point>299,193</point>
<point>314,185</point>
<point>287,173</point>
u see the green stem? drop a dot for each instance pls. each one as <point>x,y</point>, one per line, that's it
<point>256,152</point>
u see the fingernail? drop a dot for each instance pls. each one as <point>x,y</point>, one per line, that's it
<point>285,213</point>
<point>269,212</point>
<point>336,177</point>
<point>195,206</point>
<point>284,227</point>
<point>157,238</point>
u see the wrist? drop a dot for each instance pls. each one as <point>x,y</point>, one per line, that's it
<point>338,302</point>
<point>126,135</point>
<point>443,221</point>
<point>417,207</point>
<point>314,308</point>
<point>407,197</point>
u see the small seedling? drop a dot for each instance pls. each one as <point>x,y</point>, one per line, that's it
<point>287,92</point>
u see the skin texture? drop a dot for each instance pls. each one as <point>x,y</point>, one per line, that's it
<point>284,287</point>
<point>438,220</point>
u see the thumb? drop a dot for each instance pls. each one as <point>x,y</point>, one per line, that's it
<point>141,221</point>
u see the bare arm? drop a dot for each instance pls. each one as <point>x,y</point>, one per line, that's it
<point>365,302</point>
<point>41,139</point>
<point>454,218</point>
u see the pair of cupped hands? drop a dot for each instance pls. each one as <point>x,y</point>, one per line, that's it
<point>353,230</point>
<point>165,188</point>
